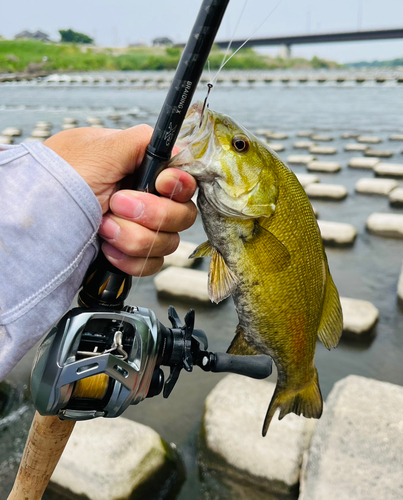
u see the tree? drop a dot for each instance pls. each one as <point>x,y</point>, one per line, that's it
<point>70,36</point>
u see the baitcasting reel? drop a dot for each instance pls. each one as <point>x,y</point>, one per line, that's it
<point>96,363</point>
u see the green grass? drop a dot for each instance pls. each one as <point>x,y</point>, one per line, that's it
<point>31,55</point>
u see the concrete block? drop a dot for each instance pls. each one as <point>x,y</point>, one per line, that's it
<point>40,133</point>
<point>300,159</point>
<point>375,186</point>
<point>400,286</point>
<point>303,144</point>
<point>276,135</point>
<point>263,131</point>
<point>276,146</point>
<point>357,447</point>
<point>322,150</point>
<point>396,137</point>
<point>35,139</point>
<point>11,132</point>
<point>390,225</point>
<point>43,126</point>
<point>233,443</point>
<point>355,147</point>
<point>183,283</point>
<point>389,170</point>
<point>370,139</point>
<point>6,140</point>
<point>350,135</point>
<point>180,258</point>
<point>337,233</point>
<point>73,121</point>
<point>68,126</point>
<point>306,179</point>
<point>324,166</point>
<point>321,137</point>
<point>360,162</point>
<point>110,459</point>
<point>359,316</point>
<point>396,198</point>
<point>378,153</point>
<point>304,133</point>
<point>94,121</point>
<point>326,191</point>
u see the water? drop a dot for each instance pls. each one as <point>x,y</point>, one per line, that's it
<point>369,270</point>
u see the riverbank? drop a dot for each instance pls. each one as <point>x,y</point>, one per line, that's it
<point>30,56</point>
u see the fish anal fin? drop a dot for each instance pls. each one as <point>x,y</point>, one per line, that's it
<point>307,402</point>
<point>274,254</point>
<point>203,250</point>
<point>239,346</point>
<point>331,322</point>
<point>221,280</point>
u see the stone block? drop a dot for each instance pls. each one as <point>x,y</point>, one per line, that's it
<point>276,135</point>
<point>94,121</point>
<point>183,283</point>
<point>396,137</point>
<point>40,133</point>
<point>276,146</point>
<point>322,150</point>
<point>300,159</point>
<point>396,198</point>
<point>337,233</point>
<point>68,126</point>
<point>306,179</point>
<point>303,144</point>
<point>359,316</point>
<point>389,170</point>
<point>390,225</point>
<point>304,133</point>
<point>11,132</point>
<point>375,186</point>
<point>110,459</point>
<point>400,286</point>
<point>324,166</point>
<point>263,131</point>
<point>180,258</point>
<point>357,448</point>
<point>326,191</point>
<point>355,147</point>
<point>74,121</point>
<point>360,162</point>
<point>321,137</point>
<point>378,153</point>
<point>370,139</point>
<point>350,135</point>
<point>233,444</point>
<point>6,140</point>
<point>43,126</point>
<point>35,139</point>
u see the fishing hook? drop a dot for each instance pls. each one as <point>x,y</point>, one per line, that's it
<point>210,86</point>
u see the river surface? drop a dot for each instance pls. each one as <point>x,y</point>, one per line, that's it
<point>369,270</point>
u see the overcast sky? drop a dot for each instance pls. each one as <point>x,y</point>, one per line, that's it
<point>120,22</point>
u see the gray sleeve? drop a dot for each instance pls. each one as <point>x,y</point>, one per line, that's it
<point>49,219</point>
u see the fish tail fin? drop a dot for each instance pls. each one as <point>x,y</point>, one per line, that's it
<point>307,402</point>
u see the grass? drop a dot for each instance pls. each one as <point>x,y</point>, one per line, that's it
<point>32,56</point>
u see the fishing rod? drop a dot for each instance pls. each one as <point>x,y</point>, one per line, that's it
<point>103,356</point>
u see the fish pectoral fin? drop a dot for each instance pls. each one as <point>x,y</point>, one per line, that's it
<point>274,254</point>
<point>331,322</point>
<point>203,250</point>
<point>221,280</point>
<point>307,402</point>
<point>239,346</point>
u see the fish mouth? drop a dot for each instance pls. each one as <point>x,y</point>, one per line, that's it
<point>196,125</point>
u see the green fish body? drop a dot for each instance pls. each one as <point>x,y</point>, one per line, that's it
<point>266,251</point>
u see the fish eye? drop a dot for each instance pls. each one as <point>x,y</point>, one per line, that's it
<point>241,144</point>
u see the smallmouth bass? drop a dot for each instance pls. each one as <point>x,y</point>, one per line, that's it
<point>266,251</point>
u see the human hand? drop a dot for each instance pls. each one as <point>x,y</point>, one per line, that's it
<point>139,228</point>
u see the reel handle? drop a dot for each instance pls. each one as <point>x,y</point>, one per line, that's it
<point>258,366</point>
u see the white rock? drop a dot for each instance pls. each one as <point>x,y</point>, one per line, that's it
<point>300,159</point>
<point>370,139</point>
<point>306,179</point>
<point>43,126</point>
<point>357,447</point>
<point>304,133</point>
<point>232,429</point>
<point>183,283</point>
<point>276,135</point>
<point>68,126</point>
<point>263,131</point>
<point>375,186</point>
<point>355,147</point>
<point>324,166</point>
<point>108,459</point>
<point>360,162</point>
<point>350,135</point>
<point>321,137</point>
<point>400,286</point>
<point>11,132</point>
<point>180,258</point>
<point>322,150</point>
<point>97,125</point>
<point>396,137</point>
<point>396,198</point>
<point>331,191</point>
<point>94,121</point>
<point>6,140</point>
<point>70,120</point>
<point>389,170</point>
<point>378,153</point>
<point>43,134</point>
<point>359,316</point>
<point>276,146</point>
<point>386,224</point>
<point>337,233</point>
<point>303,144</point>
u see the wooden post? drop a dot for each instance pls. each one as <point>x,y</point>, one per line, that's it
<point>46,441</point>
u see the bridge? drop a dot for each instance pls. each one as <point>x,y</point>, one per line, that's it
<point>288,41</point>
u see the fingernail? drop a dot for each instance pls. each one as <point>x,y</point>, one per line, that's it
<point>175,185</point>
<point>127,206</point>
<point>109,228</point>
<point>112,252</point>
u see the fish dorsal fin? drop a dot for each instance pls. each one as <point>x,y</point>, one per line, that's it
<point>203,250</point>
<point>331,322</point>
<point>239,346</point>
<point>221,280</point>
<point>273,254</point>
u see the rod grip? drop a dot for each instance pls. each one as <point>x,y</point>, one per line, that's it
<point>46,441</point>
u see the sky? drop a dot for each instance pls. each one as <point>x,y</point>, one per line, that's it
<point>116,23</point>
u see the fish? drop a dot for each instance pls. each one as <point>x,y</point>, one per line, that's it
<point>266,252</point>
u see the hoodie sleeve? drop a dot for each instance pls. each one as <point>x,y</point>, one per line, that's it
<point>49,219</point>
